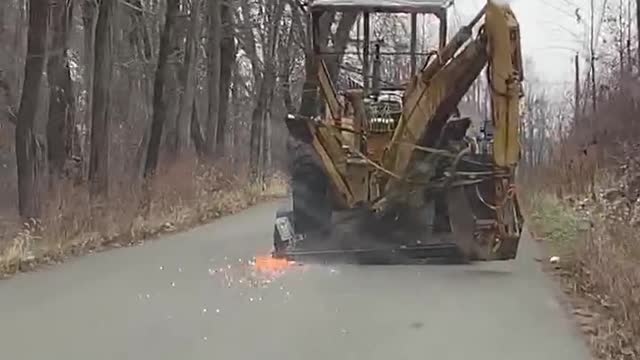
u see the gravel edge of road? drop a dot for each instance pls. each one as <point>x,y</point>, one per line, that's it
<point>571,303</point>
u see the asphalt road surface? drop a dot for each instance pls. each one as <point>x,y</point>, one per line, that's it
<point>193,296</point>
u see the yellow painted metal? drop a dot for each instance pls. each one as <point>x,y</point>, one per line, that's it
<point>505,71</point>
<point>427,103</point>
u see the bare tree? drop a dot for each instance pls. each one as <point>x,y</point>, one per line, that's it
<point>188,78</point>
<point>100,129</point>
<point>26,143</point>
<point>227,60</point>
<point>159,104</point>
<point>89,12</point>
<point>141,33</point>
<point>265,83</point>
<point>196,131</point>
<point>340,42</point>
<point>638,28</point>
<point>286,66</point>
<point>309,102</point>
<point>213,48</point>
<point>60,124</point>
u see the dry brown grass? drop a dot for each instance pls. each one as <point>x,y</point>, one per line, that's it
<point>607,272</point>
<point>594,176</point>
<point>599,268</point>
<point>181,196</point>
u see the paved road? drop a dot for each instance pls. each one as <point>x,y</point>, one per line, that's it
<point>169,299</point>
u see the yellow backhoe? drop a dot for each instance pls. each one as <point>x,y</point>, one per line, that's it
<point>388,170</point>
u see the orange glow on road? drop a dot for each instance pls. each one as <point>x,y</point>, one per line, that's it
<point>268,264</point>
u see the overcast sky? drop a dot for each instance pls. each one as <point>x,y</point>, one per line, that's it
<point>546,31</point>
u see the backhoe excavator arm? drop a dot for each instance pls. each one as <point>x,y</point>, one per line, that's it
<point>435,92</point>
<point>505,78</point>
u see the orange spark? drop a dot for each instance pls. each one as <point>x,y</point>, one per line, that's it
<point>269,264</point>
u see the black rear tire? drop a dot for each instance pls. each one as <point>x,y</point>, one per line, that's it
<point>310,190</point>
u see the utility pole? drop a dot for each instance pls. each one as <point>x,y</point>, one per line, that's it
<point>629,20</point>
<point>592,55</point>
<point>638,24</point>
<point>621,44</point>
<point>576,115</point>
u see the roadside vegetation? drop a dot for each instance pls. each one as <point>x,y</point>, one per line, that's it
<point>557,223</point>
<point>581,181</point>
<point>597,249</point>
<point>181,198</point>
<point>123,119</point>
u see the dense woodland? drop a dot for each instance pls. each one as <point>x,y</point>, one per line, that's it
<point>109,93</point>
<point>105,96</point>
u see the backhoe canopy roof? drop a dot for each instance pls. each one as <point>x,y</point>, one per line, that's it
<point>401,6</point>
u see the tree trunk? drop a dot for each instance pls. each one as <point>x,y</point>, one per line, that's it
<point>266,84</point>
<point>173,87</point>
<point>18,40</point>
<point>267,134</point>
<point>188,78</point>
<point>25,138</point>
<point>309,103</point>
<point>236,127</point>
<point>285,69</point>
<point>159,103</point>
<point>100,136</point>
<point>60,125</point>
<point>141,33</point>
<point>257,119</point>
<point>340,42</point>
<point>227,60</point>
<point>215,28</point>
<point>89,24</point>
<point>196,131</point>
<point>263,82</point>
<point>270,82</point>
